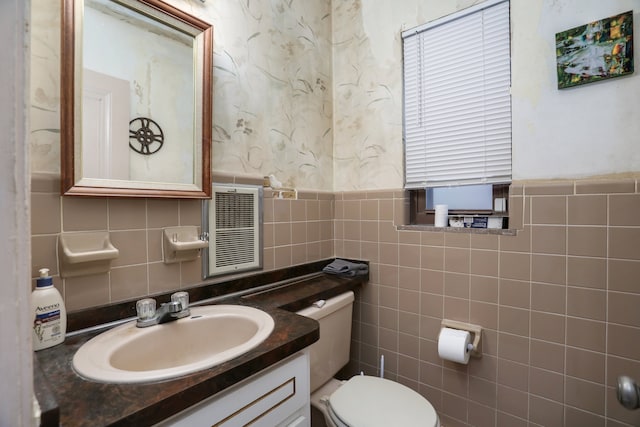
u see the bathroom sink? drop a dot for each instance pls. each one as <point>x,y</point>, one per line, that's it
<point>209,336</point>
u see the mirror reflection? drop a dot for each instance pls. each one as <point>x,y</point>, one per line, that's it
<point>141,101</point>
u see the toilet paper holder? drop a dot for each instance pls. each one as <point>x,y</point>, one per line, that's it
<point>475,330</point>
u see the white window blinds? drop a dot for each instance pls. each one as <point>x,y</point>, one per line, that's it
<point>457,103</point>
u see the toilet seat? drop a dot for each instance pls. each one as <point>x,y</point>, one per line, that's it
<point>377,402</point>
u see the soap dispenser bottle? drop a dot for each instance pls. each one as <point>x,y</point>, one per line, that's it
<point>49,314</point>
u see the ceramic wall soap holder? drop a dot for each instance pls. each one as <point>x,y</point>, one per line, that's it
<point>85,253</point>
<point>181,243</point>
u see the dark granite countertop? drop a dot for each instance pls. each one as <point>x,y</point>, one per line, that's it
<point>70,400</point>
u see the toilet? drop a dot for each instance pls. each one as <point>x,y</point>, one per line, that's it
<point>363,400</point>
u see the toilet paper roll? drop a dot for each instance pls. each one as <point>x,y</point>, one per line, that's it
<point>453,344</point>
<point>442,216</point>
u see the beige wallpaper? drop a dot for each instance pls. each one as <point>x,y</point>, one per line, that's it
<point>273,108</point>
<point>45,86</point>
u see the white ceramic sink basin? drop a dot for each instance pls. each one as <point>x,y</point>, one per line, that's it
<point>209,336</point>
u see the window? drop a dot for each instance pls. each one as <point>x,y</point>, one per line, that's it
<point>457,104</point>
<point>474,197</point>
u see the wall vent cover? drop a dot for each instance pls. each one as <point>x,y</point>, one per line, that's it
<point>234,220</point>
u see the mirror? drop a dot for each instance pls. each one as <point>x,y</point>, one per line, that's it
<point>136,100</point>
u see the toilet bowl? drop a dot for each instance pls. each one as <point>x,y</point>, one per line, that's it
<point>361,401</point>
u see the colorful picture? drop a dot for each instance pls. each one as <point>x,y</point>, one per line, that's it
<point>595,51</point>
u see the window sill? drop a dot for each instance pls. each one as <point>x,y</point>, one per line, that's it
<point>495,231</point>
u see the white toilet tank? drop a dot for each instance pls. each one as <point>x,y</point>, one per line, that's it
<point>331,352</point>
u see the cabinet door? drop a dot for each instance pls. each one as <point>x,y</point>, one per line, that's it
<point>279,395</point>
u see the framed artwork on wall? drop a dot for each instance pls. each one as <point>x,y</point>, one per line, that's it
<point>595,51</point>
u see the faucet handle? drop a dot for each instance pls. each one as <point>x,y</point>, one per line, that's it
<point>182,297</point>
<point>146,309</point>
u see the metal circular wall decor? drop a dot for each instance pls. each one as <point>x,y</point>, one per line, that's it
<point>145,136</point>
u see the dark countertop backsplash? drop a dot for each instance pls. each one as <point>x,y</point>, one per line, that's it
<point>67,399</point>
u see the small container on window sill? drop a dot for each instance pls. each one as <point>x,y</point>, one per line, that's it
<point>441,215</point>
<point>456,222</point>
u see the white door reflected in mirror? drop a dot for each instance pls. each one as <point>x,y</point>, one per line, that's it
<point>105,102</point>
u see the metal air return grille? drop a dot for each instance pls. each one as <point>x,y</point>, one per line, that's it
<point>235,221</point>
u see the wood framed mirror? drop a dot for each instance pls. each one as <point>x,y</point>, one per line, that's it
<point>136,100</point>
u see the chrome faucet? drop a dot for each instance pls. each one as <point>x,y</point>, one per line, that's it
<point>177,308</point>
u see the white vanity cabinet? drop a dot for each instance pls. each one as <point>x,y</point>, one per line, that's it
<point>276,396</point>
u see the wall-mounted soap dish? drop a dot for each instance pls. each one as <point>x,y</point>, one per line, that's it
<point>181,243</point>
<point>85,253</point>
